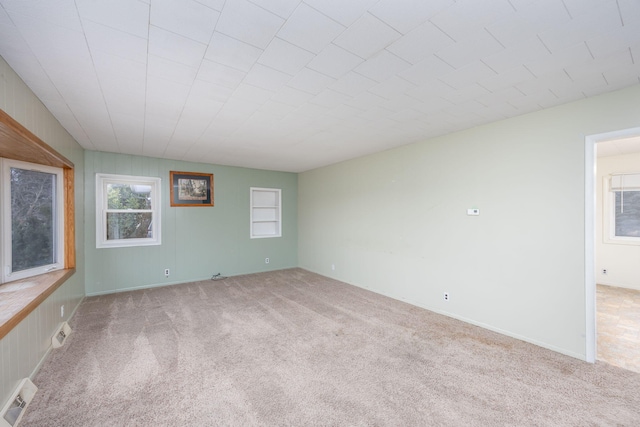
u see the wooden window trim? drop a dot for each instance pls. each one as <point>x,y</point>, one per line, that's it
<point>18,143</point>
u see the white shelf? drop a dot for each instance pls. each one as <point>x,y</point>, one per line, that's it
<point>266,215</point>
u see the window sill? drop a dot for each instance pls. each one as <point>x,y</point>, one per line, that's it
<point>19,298</point>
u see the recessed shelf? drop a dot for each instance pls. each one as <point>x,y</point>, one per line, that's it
<point>266,215</point>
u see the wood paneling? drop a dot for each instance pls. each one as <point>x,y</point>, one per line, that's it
<point>69,220</point>
<point>18,143</point>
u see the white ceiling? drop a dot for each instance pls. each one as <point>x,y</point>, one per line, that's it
<point>293,85</point>
<point>618,147</point>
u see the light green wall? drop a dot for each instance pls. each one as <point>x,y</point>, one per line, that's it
<point>196,241</point>
<point>27,344</point>
<point>395,222</point>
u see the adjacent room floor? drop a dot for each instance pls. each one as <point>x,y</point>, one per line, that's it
<point>619,326</point>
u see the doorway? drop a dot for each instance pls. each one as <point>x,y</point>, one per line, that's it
<point>612,295</point>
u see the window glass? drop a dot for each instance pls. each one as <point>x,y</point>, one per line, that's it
<point>627,214</point>
<point>127,210</point>
<point>33,207</point>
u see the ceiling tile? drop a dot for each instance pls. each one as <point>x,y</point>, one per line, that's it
<point>62,12</point>
<point>267,78</point>
<point>630,11</point>
<point>581,71</point>
<point>284,56</point>
<point>200,108</point>
<point>365,101</point>
<point>392,87</point>
<point>574,55</point>
<point>506,78</point>
<point>115,42</point>
<point>258,31</point>
<point>421,42</point>
<point>309,29</point>
<point>186,17</point>
<point>234,53</point>
<point>344,111</point>
<point>169,70</point>
<point>405,15</point>
<point>602,19</point>
<point>171,95</point>
<point>576,8</point>
<point>109,67</point>
<point>329,98</point>
<point>426,70</point>
<point>352,84</point>
<point>603,44</point>
<point>210,91</point>
<point>291,96</point>
<point>468,17</point>
<point>334,61</point>
<point>277,108</point>
<point>250,93</point>
<point>544,14</point>
<point>468,75</point>
<point>528,50</point>
<point>213,4</point>
<point>175,47</point>
<point>465,94</point>
<point>477,46</point>
<point>282,8</point>
<point>310,81</point>
<point>382,66</point>
<point>344,12</point>
<point>367,36</point>
<point>219,74</point>
<point>124,15</point>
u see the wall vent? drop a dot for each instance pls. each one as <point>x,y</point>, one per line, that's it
<point>61,335</point>
<point>14,409</point>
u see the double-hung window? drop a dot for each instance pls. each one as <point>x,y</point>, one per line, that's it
<point>32,232</point>
<point>624,209</point>
<point>127,211</point>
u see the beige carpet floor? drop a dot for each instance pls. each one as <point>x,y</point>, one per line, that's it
<point>292,348</point>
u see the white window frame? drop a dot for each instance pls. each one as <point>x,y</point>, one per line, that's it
<point>5,218</point>
<point>265,214</point>
<point>609,208</point>
<point>102,180</point>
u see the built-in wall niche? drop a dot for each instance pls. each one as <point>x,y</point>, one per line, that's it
<point>266,212</point>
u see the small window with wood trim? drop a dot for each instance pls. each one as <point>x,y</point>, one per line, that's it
<point>32,219</point>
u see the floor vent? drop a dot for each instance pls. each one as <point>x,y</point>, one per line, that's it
<point>14,409</point>
<point>61,335</point>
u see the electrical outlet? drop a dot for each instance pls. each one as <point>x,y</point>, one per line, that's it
<point>333,266</point>
<point>166,272</point>
<point>266,260</point>
<point>446,296</point>
<point>604,271</point>
<point>62,311</point>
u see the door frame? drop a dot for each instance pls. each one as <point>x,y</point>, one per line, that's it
<point>590,161</point>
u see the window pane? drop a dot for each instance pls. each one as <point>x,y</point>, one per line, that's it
<point>129,225</point>
<point>32,219</point>
<point>627,213</point>
<point>125,196</point>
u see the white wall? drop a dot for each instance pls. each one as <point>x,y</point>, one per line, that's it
<point>395,222</point>
<point>26,345</point>
<point>621,261</point>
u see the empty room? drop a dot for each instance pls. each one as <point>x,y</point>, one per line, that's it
<point>319,213</point>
